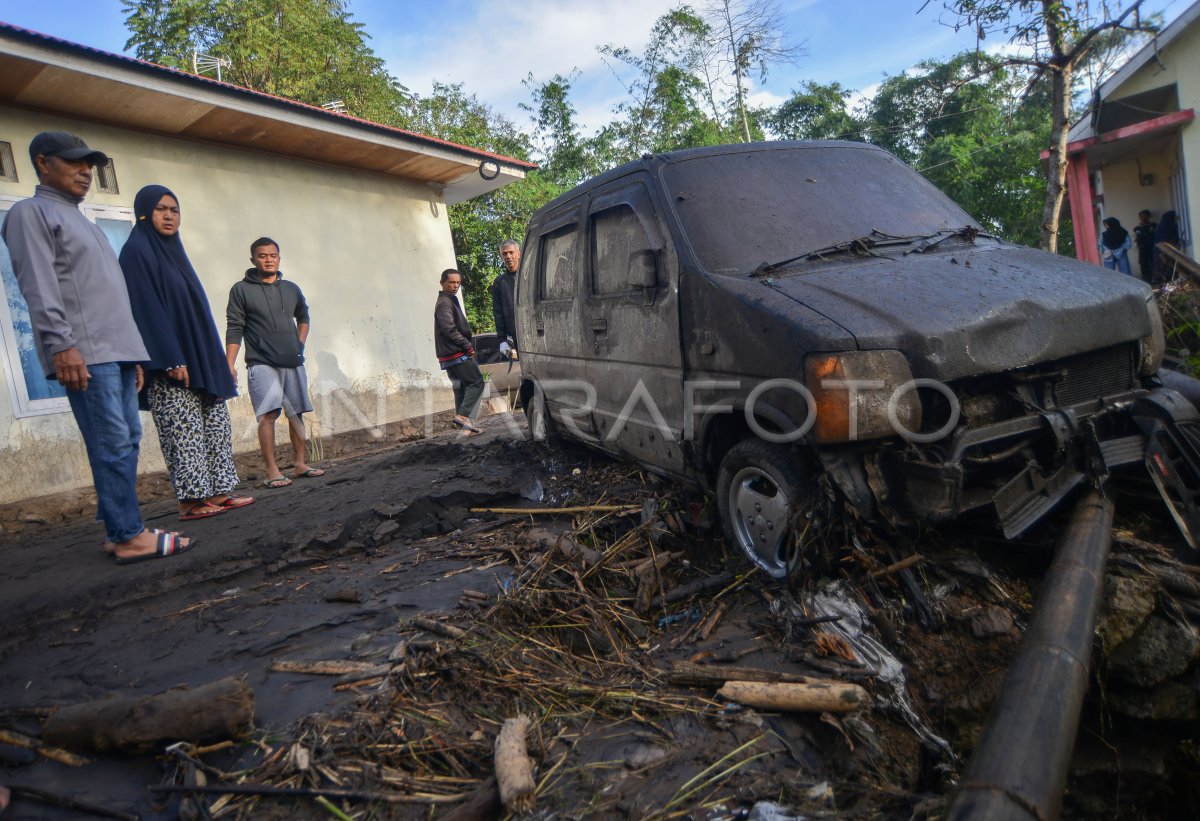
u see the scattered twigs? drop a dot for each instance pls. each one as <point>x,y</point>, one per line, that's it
<point>896,567</point>
<point>695,588</point>
<point>687,674</point>
<point>44,750</point>
<point>308,792</point>
<point>71,803</point>
<point>554,511</point>
<point>514,768</point>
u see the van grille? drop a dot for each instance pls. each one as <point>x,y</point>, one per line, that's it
<point>1095,374</point>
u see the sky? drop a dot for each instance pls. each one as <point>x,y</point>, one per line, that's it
<point>491,46</point>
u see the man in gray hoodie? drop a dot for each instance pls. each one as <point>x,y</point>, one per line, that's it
<point>271,316</point>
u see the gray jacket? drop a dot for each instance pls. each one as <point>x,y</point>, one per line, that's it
<point>71,280</point>
<point>266,315</point>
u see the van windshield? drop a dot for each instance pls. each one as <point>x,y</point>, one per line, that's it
<point>742,209</point>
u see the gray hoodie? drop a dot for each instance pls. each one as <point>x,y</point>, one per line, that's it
<point>265,315</point>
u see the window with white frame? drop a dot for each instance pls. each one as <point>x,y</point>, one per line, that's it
<point>32,394</point>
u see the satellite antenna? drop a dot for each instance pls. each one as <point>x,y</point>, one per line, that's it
<point>336,106</point>
<point>205,63</point>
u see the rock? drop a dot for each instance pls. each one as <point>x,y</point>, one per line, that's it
<point>329,534</point>
<point>383,533</point>
<point>344,596</point>
<point>991,621</point>
<point>1126,605</point>
<point>1172,701</point>
<point>1163,647</point>
<point>391,511</point>
<point>643,755</point>
<point>33,519</point>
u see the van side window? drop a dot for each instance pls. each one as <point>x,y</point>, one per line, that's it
<point>557,269</point>
<point>620,248</point>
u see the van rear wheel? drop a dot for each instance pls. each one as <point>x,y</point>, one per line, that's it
<point>759,487</point>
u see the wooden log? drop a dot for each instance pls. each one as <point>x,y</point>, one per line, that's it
<point>441,628</point>
<point>220,710</point>
<point>331,667</point>
<point>813,696</point>
<point>688,674</point>
<point>514,768</point>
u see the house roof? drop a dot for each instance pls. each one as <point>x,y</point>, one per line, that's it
<point>1083,128</point>
<point>45,73</point>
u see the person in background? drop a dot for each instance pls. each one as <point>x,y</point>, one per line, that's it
<point>1114,246</point>
<point>271,315</point>
<point>504,289</point>
<point>456,352</point>
<point>1168,232</point>
<point>1143,234</point>
<point>86,335</point>
<point>187,377</point>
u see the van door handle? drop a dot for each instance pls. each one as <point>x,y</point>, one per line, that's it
<point>541,329</point>
<point>599,325</point>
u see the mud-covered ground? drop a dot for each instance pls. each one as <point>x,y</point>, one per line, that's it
<point>443,620</point>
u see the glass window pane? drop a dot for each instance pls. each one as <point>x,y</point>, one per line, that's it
<point>558,264</point>
<point>617,238</point>
<point>17,320</point>
<point>116,231</point>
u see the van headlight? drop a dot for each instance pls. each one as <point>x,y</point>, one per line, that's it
<point>854,393</point>
<point>1153,346</point>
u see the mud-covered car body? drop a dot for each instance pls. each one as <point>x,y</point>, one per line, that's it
<point>827,301</point>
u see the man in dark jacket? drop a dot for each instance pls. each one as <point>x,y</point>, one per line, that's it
<point>1143,234</point>
<point>456,351</point>
<point>504,290</point>
<point>270,314</point>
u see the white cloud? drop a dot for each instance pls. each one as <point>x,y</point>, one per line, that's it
<point>542,37</point>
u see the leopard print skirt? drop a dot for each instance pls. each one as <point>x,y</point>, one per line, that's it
<point>196,438</point>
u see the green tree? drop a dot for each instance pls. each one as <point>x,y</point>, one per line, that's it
<point>669,104</point>
<point>1054,39</point>
<point>817,112</point>
<point>973,129</point>
<point>306,50</point>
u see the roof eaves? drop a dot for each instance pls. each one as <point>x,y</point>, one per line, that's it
<point>260,97</point>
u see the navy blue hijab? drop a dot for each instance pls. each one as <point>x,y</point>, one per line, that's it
<point>169,304</point>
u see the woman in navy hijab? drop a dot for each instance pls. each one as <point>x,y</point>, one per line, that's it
<point>187,377</point>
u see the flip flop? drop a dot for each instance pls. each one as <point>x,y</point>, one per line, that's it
<point>166,544</point>
<point>280,481</point>
<point>236,501</point>
<point>108,545</point>
<point>311,473</point>
<point>466,425</point>
<point>217,510</point>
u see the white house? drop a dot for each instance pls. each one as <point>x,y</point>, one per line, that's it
<point>359,211</point>
<point>1132,148</point>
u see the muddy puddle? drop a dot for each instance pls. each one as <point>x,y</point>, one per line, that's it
<point>390,616</point>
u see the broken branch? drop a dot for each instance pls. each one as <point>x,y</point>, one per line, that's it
<point>824,697</point>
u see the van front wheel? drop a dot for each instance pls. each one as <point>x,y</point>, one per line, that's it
<point>541,426</point>
<point>758,488</point>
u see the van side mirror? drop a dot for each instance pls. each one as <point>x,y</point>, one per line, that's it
<point>643,274</point>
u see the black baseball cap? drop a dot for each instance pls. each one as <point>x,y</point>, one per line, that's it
<point>65,145</point>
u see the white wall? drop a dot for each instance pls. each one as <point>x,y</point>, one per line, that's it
<point>367,251</point>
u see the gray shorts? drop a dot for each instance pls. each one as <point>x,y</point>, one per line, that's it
<point>273,388</point>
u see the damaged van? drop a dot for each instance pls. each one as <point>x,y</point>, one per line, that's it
<point>771,320</point>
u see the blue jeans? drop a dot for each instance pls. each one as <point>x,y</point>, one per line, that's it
<point>1118,263</point>
<point>107,415</point>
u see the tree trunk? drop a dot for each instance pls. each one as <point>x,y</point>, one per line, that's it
<point>1056,171</point>
<point>223,709</point>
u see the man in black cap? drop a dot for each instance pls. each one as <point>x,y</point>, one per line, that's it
<point>85,333</point>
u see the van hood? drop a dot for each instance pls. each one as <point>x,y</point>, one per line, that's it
<point>970,311</point>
